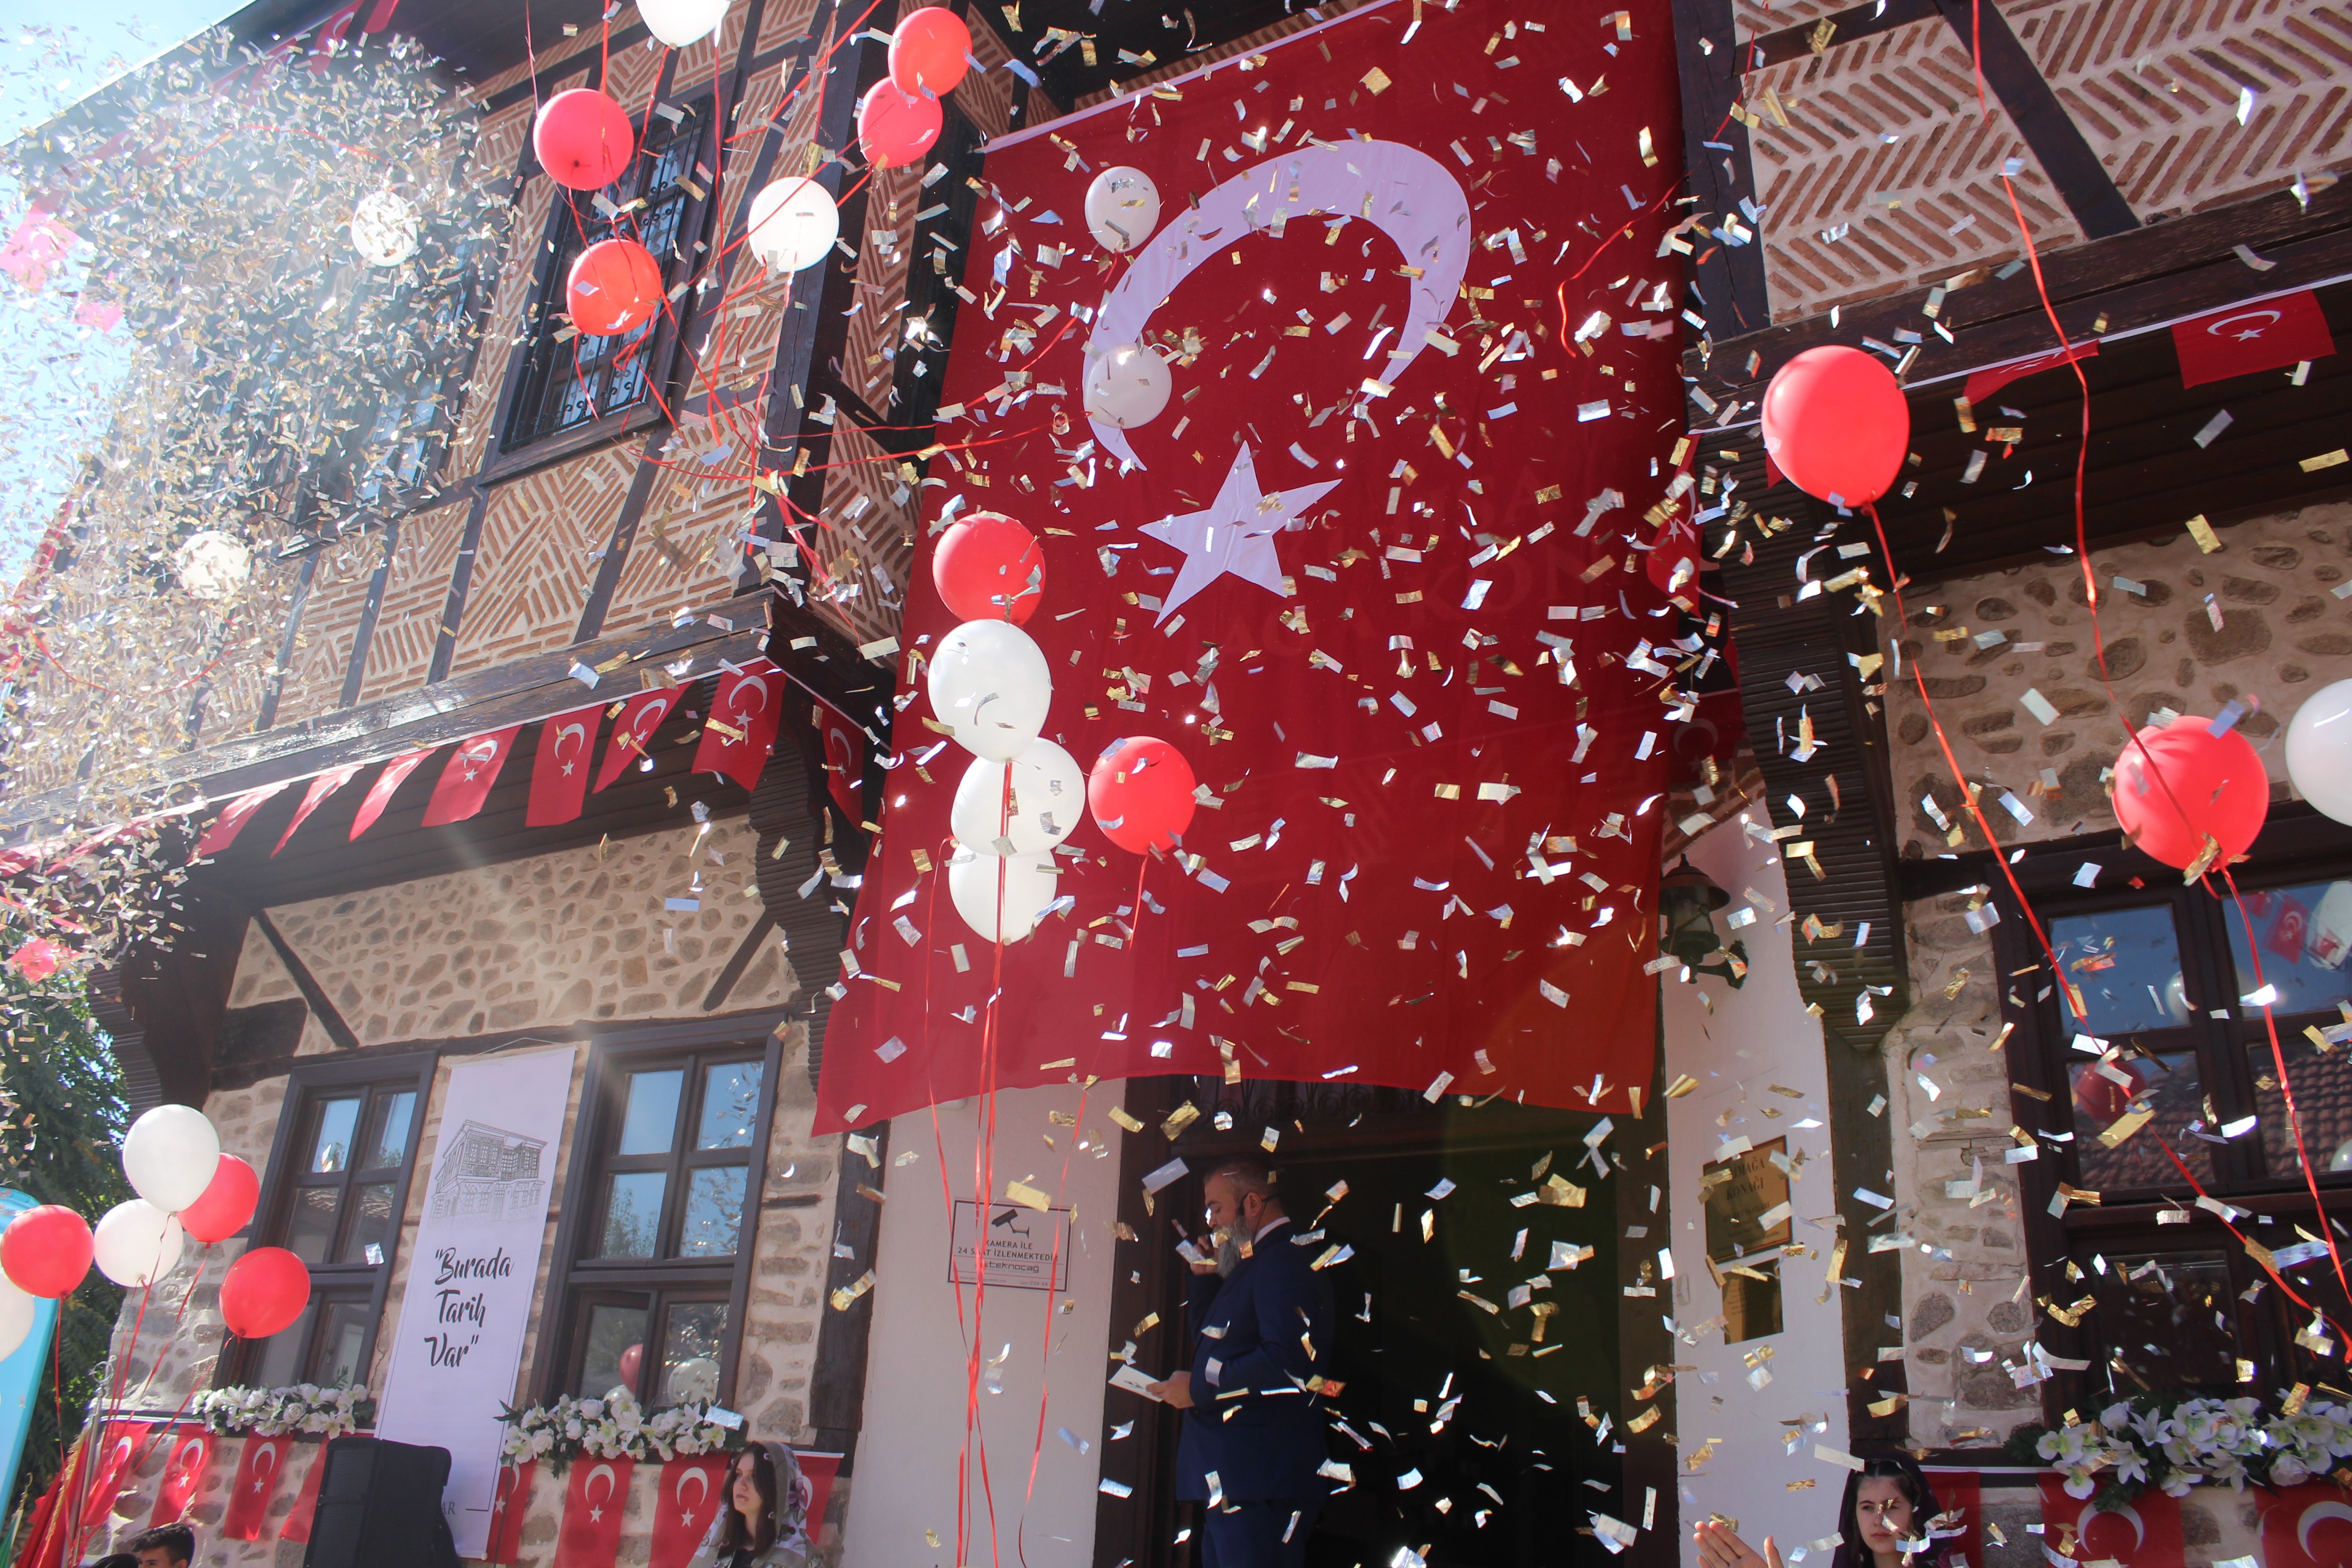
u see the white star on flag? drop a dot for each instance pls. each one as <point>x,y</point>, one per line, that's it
<point>1234,535</point>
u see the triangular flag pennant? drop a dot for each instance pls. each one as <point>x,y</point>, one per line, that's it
<point>845,759</point>
<point>559,775</point>
<point>322,786</point>
<point>387,784</point>
<point>741,730</point>
<point>467,778</point>
<point>633,731</point>
<point>232,818</point>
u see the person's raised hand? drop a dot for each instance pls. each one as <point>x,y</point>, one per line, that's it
<point>1178,1391</point>
<point>1207,1247</point>
<point>1720,1547</point>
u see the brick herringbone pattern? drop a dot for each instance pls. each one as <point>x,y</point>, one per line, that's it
<point>532,574</point>
<point>508,303</point>
<point>985,98</point>
<point>784,21</point>
<point>408,623</point>
<point>323,643</point>
<point>869,548</point>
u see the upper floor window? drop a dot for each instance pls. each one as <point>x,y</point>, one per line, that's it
<point>665,1199</point>
<point>338,1187</point>
<point>570,378</point>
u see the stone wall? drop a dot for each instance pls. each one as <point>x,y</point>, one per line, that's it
<point>2282,635</point>
<point>554,941</point>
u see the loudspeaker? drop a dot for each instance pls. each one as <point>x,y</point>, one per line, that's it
<point>379,1507</point>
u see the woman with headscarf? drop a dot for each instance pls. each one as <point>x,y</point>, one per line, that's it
<point>764,1522</point>
<point>1883,1520</point>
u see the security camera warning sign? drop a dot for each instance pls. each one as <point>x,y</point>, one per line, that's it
<point>1028,1249</point>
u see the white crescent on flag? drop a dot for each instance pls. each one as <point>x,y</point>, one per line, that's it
<point>2268,319</point>
<point>2318,1513</point>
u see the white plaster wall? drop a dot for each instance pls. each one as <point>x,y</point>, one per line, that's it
<point>1758,1035</point>
<point>913,1415</point>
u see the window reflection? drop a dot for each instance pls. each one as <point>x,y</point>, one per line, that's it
<point>730,1100</point>
<point>386,1144</point>
<point>714,1213</point>
<point>331,1140</point>
<point>632,1214</point>
<point>2305,933</point>
<point>2128,1111</point>
<point>690,1342</point>
<point>616,1345</point>
<point>2125,966</point>
<point>650,1122</point>
<point>2165,1320</point>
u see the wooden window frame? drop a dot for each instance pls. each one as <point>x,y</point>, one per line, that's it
<point>306,1086</point>
<point>575,1280</point>
<point>519,448</point>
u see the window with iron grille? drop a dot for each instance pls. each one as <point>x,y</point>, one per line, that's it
<point>569,378</point>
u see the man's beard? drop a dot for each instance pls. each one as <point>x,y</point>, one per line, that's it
<point>1229,1253</point>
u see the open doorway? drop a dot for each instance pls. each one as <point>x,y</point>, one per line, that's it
<point>1472,1442</point>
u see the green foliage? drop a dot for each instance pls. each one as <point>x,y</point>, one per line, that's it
<point>62,1125</point>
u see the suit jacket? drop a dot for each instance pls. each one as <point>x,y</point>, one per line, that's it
<point>1257,1335</point>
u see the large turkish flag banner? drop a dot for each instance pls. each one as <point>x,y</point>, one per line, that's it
<point>1375,570</point>
<point>2307,1526</point>
<point>2144,1533</point>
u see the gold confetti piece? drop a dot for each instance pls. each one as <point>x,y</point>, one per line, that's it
<point>1377,80</point>
<point>2202,532</point>
<point>1022,1193</point>
<point>843,1298</point>
<point>1119,1115</point>
<point>2326,461</point>
<point>1181,1118</point>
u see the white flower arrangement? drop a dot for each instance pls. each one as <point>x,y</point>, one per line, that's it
<point>2180,1444</point>
<point>303,1408</point>
<point>614,1427</point>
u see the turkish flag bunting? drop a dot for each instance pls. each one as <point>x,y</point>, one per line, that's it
<point>1959,1493</point>
<point>322,786</point>
<point>183,1473</point>
<point>691,1492</point>
<point>232,818</point>
<point>595,1506</point>
<point>123,1439</point>
<point>559,775</point>
<point>467,778</point>
<point>2308,1526</point>
<point>297,1527</point>
<point>387,784</point>
<point>2144,1533</point>
<point>820,1470</point>
<point>1984,382</point>
<point>1386,598</point>
<point>44,1543</point>
<point>512,1502</point>
<point>257,1471</point>
<point>633,731</point>
<point>845,758</point>
<point>2267,334</point>
<point>741,730</point>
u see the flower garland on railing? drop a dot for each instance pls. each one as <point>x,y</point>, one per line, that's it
<point>2176,1442</point>
<point>303,1407</point>
<point>613,1429</point>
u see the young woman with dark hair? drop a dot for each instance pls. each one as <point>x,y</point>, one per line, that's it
<point>764,1522</point>
<point>1883,1520</point>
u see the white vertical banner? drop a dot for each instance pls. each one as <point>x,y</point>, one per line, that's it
<point>473,1268</point>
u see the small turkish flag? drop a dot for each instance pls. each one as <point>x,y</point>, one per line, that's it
<point>820,1470</point>
<point>2308,1526</point>
<point>467,779</point>
<point>258,1470</point>
<point>122,1440</point>
<point>2143,1534</point>
<point>387,784</point>
<point>232,818</point>
<point>1958,1493</point>
<point>513,1501</point>
<point>691,1492</point>
<point>297,1527</point>
<point>322,786</point>
<point>845,759</point>
<point>633,731</point>
<point>741,730</point>
<point>183,1472</point>
<point>594,1504</point>
<point>2243,339</point>
<point>559,775</point>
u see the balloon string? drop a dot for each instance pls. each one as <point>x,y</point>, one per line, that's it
<point>1046,1339</point>
<point>2220,1210</point>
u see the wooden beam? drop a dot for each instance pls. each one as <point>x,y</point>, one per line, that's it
<point>745,950</point>
<point>2072,167</point>
<point>1729,282</point>
<point>453,610</point>
<point>623,534</point>
<point>1847,27</point>
<point>276,684</point>
<point>329,1018</point>
<point>363,635</point>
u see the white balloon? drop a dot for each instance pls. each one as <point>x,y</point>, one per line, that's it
<point>385,230</point>
<point>1022,885</point>
<point>211,565</point>
<point>678,23</point>
<point>17,1309</point>
<point>170,1155</point>
<point>136,1244</point>
<point>1049,799</point>
<point>2319,749</point>
<point>1128,386</point>
<point>793,223</point>
<point>1122,208</point>
<point>990,684</point>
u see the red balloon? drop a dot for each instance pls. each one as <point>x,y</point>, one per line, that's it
<point>227,1202</point>
<point>631,1360</point>
<point>1835,422</point>
<point>895,127</point>
<point>928,50</point>
<point>2103,1099</point>
<point>988,568</point>
<point>615,287</point>
<point>2175,786</point>
<point>45,1251</point>
<point>264,1292</point>
<point>1140,793</point>
<point>583,139</point>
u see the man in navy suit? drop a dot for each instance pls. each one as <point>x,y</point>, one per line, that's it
<point>1260,1319</point>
